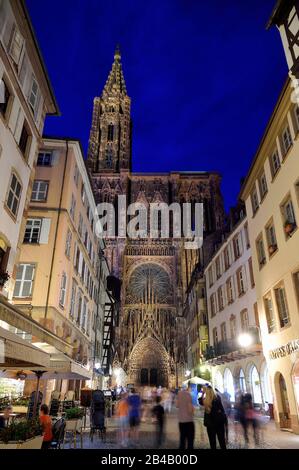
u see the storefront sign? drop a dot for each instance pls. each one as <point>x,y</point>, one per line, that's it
<point>285,350</point>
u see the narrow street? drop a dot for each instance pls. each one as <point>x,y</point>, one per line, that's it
<point>270,438</point>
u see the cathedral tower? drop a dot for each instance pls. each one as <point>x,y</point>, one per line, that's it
<point>110,136</point>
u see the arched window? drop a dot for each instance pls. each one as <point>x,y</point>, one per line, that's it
<point>229,384</point>
<point>108,157</point>
<point>218,382</point>
<point>242,381</point>
<point>255,385</point>
<point>110,132</point>
<point>265,382</point>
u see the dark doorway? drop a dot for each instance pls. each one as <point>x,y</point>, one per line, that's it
<point>144,377</point>
<point>153,377</point>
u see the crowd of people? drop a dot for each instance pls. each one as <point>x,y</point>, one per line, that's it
<point>153,404</point>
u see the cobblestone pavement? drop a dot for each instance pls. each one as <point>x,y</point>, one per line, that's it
<point>270,437</point>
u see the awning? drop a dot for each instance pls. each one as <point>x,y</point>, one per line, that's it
<point>60,367</point>
<point>17,353</point>
<point>196,380</point>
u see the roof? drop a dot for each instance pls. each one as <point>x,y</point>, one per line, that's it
<point>283,91</point>
<point>279,11</point>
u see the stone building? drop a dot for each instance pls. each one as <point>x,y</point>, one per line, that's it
<point>155,272</point>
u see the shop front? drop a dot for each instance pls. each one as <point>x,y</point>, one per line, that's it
<point>284,372</point>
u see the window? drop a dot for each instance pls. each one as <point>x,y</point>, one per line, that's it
<point>16,46</point>
<point>24,280</point>
<point>233,326</point>
<point>80,225</point>
<point>254,200</point>
<point>261,256</point>
<point>218,268</point>
<point>44,159</point>
<point>269,313</point>
<point>210,276</point>
<point>237,246</point>
<point>77,259</point>
<point>246,236</point>
<point>296,112</point>
<point>68,243</point>
<point>241,281</point>
<point>83,318</point>
<point>33,98</point>
<point>110,132</point>
<point>73,207</point>
<point>39,191</point>
<point>32,230</point>
<point>76,175</point>
<point>215,336</point>
<point>226,258</point>
<point>6,98</point>
<point>14,194</point>
<point>62,295</point>
<point>213,305</point>
<point>223,332</point>
<point>288,215</point>
<point>244,320</point>
<point>281,303</point>
<point>220,298</point>
<point>296,284</point>
<point>271,238</point>
<point>286,140</point>
<point>24,140</point>
<point>83,194</point>
<point>274,163</point>
<point>73,299</point>
<point>79,307</point>
<point>263,185</point>
<point>229,290</point>
<point>252,282</point>
<point>109,157</point>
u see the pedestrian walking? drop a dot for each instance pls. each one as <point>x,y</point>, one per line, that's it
<point>122,413</point>
<point>185,418</point>
<point>158,413</point>
<point>134,402</point>
<point>214,417</point>
<point>248,418</point>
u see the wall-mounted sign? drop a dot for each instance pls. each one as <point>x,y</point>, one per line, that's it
<point>285,350</point>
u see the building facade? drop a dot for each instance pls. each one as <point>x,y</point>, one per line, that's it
<point>154,272</point>
<point>61,273</point>
<point>271,193</point>
<point>26,97</point>
<point>232,313</point>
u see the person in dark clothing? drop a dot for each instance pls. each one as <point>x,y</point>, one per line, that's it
<point>214,418</point>
<point>4,420</point>
<point>248,418</point>
<point>158,413</point>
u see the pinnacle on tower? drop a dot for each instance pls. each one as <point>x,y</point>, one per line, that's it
<point>116,82</point>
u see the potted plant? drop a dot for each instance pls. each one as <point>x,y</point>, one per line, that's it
<point>24,434</point>
<point>289,227</point>
<point>4,277</point>
<point>73,418</point>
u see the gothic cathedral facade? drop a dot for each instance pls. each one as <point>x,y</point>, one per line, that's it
<point>155,273</point>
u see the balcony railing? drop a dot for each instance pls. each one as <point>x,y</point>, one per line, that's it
<point>231,345</point>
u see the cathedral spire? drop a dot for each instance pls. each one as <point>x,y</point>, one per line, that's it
<point>115,83</point>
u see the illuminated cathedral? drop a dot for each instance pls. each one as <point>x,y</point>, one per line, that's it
<point>150,339</point>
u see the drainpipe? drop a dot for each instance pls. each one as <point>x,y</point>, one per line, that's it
<point>56,230</point>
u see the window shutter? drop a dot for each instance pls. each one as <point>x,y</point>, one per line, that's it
<point>24,68</point>
<point>80,264</point>
<point>8,34</point>
<point>45,230</point>
<point>2,17</point>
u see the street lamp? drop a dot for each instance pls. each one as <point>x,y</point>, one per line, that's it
<point>187,373</point>
<point>245,340</point>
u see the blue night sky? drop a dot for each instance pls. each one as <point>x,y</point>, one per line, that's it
<point>203,77</point>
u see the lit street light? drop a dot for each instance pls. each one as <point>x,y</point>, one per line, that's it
<point>245,340</point>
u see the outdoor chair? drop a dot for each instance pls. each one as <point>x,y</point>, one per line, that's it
<point>58,431</point>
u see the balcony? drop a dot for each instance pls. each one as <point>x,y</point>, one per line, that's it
<point>230,350</point>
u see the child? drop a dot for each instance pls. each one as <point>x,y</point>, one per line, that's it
<point>46,422</point>
<point>158,413</point>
